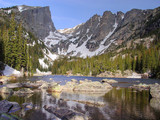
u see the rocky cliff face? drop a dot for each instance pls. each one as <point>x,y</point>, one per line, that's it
<point>103,33</point>
<point>37,20</point>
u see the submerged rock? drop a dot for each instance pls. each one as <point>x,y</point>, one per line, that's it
<point>155,91</point>
<point>141,87</point>
<point>65,114</point>
<point>5,116</point>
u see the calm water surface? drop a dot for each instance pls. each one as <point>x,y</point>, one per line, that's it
<point>119,104</point>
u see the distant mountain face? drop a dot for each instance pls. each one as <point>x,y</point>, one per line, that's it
<point>94,37</point>
<point>102,33</point>
<point>36,20</point>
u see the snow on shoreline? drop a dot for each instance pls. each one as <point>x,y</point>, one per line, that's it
<point>135,75</point>
<point>39,73</point>
<point>8,71</point>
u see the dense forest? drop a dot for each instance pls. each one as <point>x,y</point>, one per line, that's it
<point>139,59</point>
<point>19,49</point>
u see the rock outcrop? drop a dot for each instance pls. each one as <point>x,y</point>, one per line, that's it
<point>83,86</point>
<point>38,21</point>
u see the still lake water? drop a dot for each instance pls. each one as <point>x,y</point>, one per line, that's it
<point>120,104</point>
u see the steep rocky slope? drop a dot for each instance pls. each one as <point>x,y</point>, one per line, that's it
<point>104,33</point>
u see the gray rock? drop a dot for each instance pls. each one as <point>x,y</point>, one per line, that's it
<point>38,21</point>
<point>65,114</point>
<point>155,91</point>
<point>15,107</point>
<point>8,107</point>
<point>5,106</point>
<point>27,106</point>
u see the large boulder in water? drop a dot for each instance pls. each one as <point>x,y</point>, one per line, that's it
<point>56,88</point>
<point>70,85</point>
<point>155,91</point>
<point>94,87</point>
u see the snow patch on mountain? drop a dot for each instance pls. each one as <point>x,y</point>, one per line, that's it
<point>70,30</point>
<point>53,38</point>
<point>42,63</point>
<point>22,8</point>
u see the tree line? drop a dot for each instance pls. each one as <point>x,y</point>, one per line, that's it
<point>139,59</point>
<point>13,45</point>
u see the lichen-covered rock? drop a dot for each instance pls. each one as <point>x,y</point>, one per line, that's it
<point>74,80</point>
<point>92,87</point>
<point>69,86</point>
<point>6,90</point>
<point>56,88</point>
<point>24,91</point>
<point>155,91</point>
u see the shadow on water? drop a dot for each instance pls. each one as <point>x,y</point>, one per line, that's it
<point>123,104</point>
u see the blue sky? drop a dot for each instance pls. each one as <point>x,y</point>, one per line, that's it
<point>68,13</point>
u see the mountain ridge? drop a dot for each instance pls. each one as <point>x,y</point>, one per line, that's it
<point>101,33</point>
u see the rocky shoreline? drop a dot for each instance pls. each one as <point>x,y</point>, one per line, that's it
<point>85,87</point>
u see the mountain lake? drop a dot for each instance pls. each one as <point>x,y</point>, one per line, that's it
<point>120,103</point>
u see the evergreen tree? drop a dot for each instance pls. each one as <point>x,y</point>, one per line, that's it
<point>12,44</point>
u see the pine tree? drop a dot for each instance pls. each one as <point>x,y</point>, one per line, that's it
<point>19,47</point>
<point>12,44</point>
<point>5,38</point>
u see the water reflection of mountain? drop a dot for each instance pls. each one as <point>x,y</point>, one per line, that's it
<point>125,104</point>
